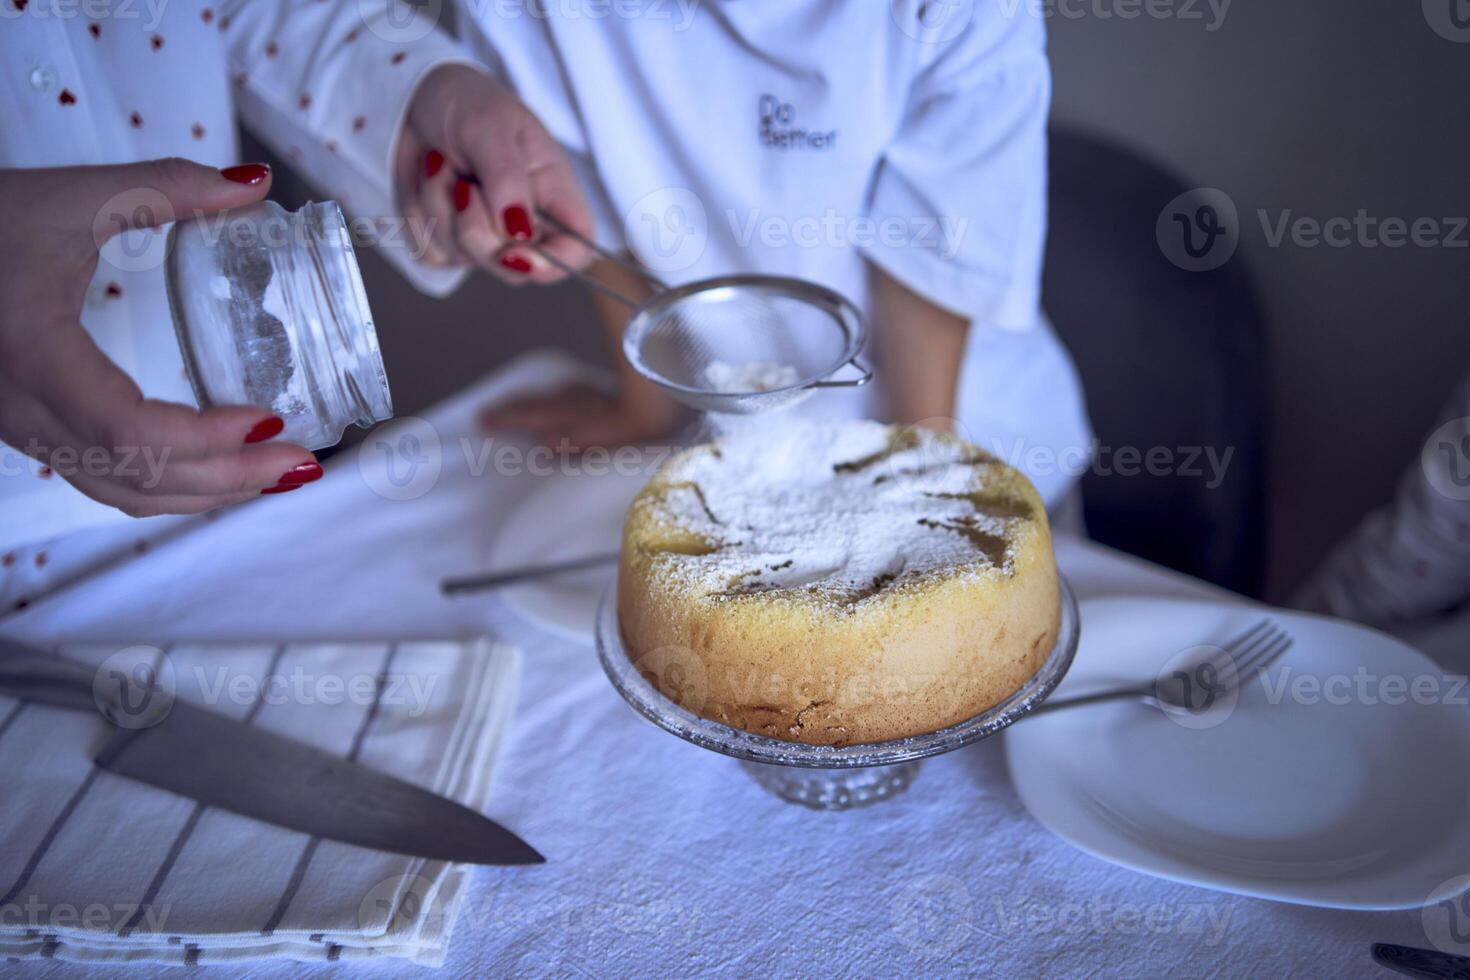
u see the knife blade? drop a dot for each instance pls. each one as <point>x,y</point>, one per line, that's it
<point>247,770</point>
<point>514,576</point>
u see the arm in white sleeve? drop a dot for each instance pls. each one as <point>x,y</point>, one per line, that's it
<point>327,85</point>
<point>966,173</point>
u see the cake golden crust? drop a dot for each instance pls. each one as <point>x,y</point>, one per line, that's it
<point>838,583</point>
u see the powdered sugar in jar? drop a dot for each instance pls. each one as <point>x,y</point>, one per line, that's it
<point>270,310</point>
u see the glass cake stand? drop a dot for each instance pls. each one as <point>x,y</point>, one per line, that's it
<point>824,777</point>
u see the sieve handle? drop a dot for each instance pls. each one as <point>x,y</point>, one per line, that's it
<point>865,374</point>
<point>585,279</point>
<point>634,267</point>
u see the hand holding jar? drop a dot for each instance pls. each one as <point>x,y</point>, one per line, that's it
<point>59,394</point>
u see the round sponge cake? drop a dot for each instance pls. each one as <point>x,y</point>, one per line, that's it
<point>838,583</point>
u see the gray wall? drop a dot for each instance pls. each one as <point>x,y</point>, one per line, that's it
<point>1320,107</point>
<point>1323,108</point>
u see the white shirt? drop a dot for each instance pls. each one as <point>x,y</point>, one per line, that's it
<point>325,84</point>
<point>810,139</point>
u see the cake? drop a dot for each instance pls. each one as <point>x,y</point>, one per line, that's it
<point>837,583</point>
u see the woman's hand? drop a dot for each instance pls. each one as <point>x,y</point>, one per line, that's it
<point>473,166</point>
<point>579,417</point>
<point>62,402</point>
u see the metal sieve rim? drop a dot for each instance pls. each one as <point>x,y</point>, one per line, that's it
<point>846,315</point>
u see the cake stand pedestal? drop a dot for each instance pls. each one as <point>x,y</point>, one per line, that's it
<point>824,777</point>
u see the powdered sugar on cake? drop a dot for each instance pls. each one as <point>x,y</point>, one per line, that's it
<point>848,508</point>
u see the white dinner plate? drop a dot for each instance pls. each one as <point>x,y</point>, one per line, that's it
<point>565,517</point>
<point>1341,778</point>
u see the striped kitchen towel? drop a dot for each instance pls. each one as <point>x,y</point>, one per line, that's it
<point>98,868</point>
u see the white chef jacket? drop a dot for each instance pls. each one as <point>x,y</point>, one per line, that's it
<point>117,81</point>
<point>810,138</point>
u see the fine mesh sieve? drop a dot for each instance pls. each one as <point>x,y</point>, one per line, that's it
<point>737,344</point>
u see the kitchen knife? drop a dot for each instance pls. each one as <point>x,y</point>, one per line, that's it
<point>225,763</point>
<point>1414,962</point>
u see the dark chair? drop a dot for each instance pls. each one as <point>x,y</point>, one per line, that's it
<point>1169,358</point>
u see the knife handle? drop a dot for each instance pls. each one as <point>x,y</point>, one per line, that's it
<point>35,675</point>
<point>1421,962</point>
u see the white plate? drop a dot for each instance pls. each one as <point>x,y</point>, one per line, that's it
<point>1334,796</point>
<point>564,517</point>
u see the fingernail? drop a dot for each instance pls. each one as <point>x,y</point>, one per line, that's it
<point>281,488</point>
<point>518,223</point>
<point>433,163</point>
<point>515,263</point>
<point>461,194</point>
<point>246,173</point>
<point>303,473</point>
<point>267,428</point>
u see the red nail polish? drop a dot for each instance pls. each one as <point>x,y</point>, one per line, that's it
<point>433,163</point>
<point>515,263</point>
<point>461,194</point>
<point>518,223</point>
<point>246,173</point>
<point>281,488</point>
<point>304,473</point>
<point>267,428</point>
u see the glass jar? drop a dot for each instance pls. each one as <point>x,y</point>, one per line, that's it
<point>270,310</point>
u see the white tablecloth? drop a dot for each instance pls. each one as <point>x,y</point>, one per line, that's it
<point>663,858</point>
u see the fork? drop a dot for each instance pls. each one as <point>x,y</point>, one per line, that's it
<point>1194,688</point>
